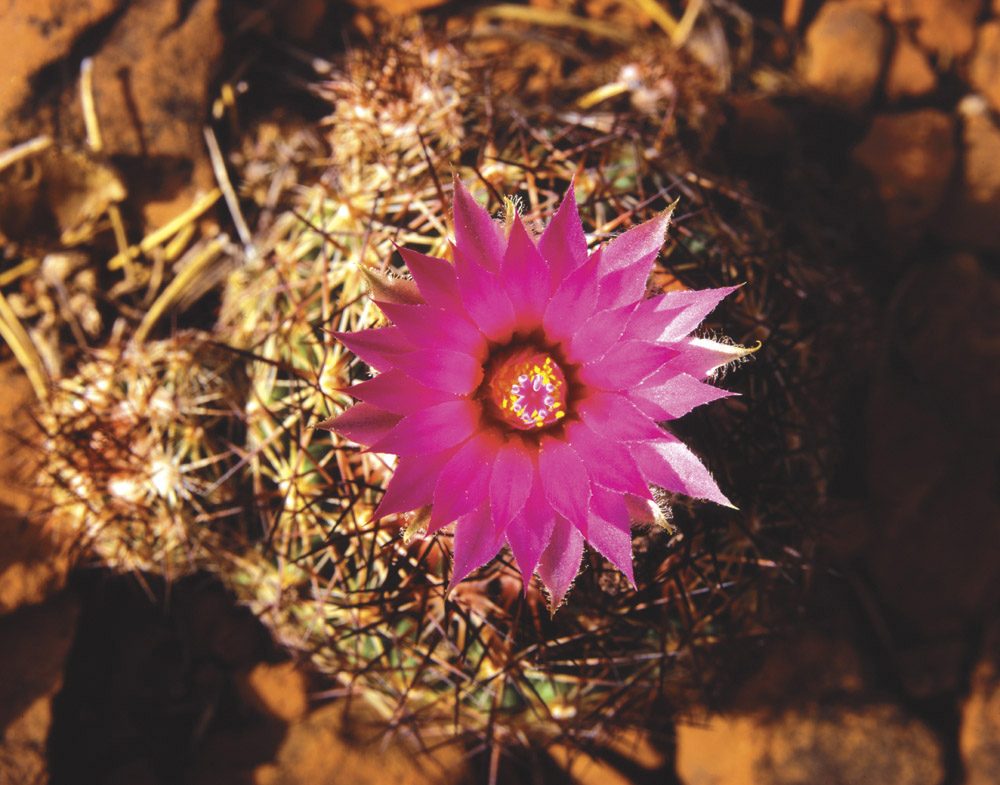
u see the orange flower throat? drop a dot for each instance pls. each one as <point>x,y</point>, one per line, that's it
<point>528,389</point>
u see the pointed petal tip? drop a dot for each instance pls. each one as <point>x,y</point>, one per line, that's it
<point>664,216</point>
<point>716,496</point>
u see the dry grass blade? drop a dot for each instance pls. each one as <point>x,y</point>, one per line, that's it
<point>188,275</point>
<point>24,150</point>
<point>14,334</point>
<point>554,17</point>
<point>169,230</point>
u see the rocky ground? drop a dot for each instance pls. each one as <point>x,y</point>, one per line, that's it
<point>894,673</point>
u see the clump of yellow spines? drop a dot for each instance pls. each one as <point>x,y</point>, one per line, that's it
<point>139,444</point>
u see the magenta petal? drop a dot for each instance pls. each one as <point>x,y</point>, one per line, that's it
<point>616,418</point>
<point>483,298</point>
<point>643,511</point>
<point>465,481</point>
<point>626,364</point>
<point>396,392</point>
<point>565,480</point>
<point>510,484</point>
<point>433,327</point>
<point>476,233</point>
<point>667,395</point>
<point>638,244</point>
<point>529,531</point>
<point>673,315</point>
<point>625,285</point>
<point>378,346</point>
<point>649,319</point>
<point>412,483</point>
<point>392,289</point>
<point>613,544</point>
<point>610,530</point>
<point>560,561</point>
<point>432,430</point>
<point>563,243</point>
<point>525,277</point>
<point>573,303</point>
<point>443,369</point>
<point>435,278</point>
<point>609,463</point>
<point>363,423</point>
<point>592,339</point>
<point>699,357</point>
<point>612,508</point>
<point>476,543</point>
<point>626,262</point>
<point>672,466</point>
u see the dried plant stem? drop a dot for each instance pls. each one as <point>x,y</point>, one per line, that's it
<point>551,17</point>
<point>658,14</point>
<point>24,350</point>
<point>121,239</point>
<point>602,93</point>
<point>177,286</point>
<point>686,25</point>
<point>90,120</point>
<point>96,143</point>
<point>24,150</point>
<point>165,232</point>
<point>15,272</point>
<point>226,186</point>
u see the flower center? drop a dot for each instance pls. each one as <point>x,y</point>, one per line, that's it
<point>528,389</point>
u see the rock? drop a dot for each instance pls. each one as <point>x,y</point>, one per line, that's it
<point>153,82</point>
<point>634,752</point>
<point>846,745</point>
<point>33,565</point>
<point>58,191</point>
<point>278,690</point>
<point>221,629</point>
<point>943,326</point>
<point>933,449</point>
<point>759,130</point>
<point>910,75</point>
<point>979,737</point>
<point>945,27</point>
<point>845,51</point>
<point>811,666</point>
<point>910,157</point>
<point>16,441</point>
<point>36,645</point>
<point>972,215</point>
<point>146,698</point>
<point>984,70</point>
<point>933,668</point>
<point>328,746</point>
<point>300,19</point>
<point>154,68</point>
<point>35,34</point>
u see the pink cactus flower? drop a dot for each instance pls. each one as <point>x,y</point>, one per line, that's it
<point>522,388</point>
